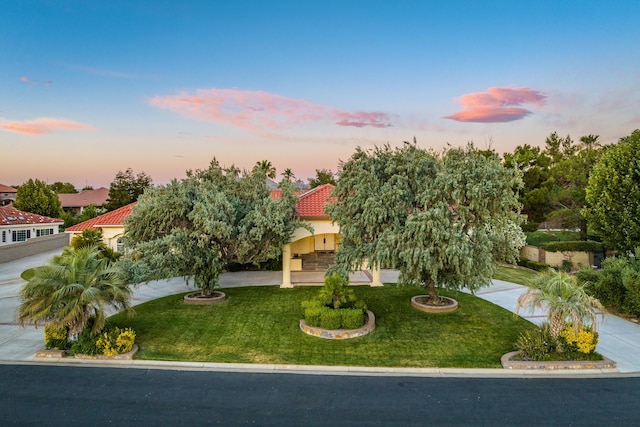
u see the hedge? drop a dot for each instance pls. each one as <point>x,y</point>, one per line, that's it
<point>572,246</point>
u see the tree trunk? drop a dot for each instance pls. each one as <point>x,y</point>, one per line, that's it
<point>431,292</point>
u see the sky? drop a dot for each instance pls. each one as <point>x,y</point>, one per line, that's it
<point>89,88</point>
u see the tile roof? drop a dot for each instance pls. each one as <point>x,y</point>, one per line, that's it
<point>115,217</point>
<point>7,189</point>
<point>311,204</point>
<point>12,216</point>
<point>85,198</point>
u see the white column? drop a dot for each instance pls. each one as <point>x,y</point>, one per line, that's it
<point>375,274</point>
<point>286,266</point>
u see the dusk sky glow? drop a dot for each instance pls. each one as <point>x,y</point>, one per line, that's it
<point>88,88</point>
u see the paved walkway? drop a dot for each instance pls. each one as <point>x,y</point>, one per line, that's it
<point>619,338</point>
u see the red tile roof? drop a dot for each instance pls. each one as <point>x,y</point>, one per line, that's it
<point>7,189</point>
<point>312,203</point>
<point>115,217</point>
<point>85,198</point>
<point>11,216</point>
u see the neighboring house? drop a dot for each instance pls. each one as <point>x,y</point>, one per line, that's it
<point>18,226</point>
<point>110,224</point>
<point>76,202</point>
<point>7,195</point>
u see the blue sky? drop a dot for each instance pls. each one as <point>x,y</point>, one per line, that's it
<point>88,88</point>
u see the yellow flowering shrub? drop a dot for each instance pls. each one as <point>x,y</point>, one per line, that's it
<point>116,341</point>
<point>584,341</point>
<point>55,335</point>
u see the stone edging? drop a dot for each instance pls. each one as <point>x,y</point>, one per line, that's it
<point>507,363</point>
<point>193,298</point>
<point>55,353</point>
<point>340,334</point>
<point>434,308</point>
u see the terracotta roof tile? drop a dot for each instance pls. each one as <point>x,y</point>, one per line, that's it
<point>115,217</point>
<point>85,198</point>
<point>7,189</point>
<point>312,203</point>
<point>11,216</point>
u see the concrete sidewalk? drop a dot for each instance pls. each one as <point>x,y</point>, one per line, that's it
<point>619,338</point>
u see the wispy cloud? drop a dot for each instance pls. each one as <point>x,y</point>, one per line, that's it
<point>497,104</point>
<point>103,72</point>
<point>258,110</point>
<point>32,82</point>
<point>40,125</point>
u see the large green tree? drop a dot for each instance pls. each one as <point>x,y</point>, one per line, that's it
<point>213,217</point>
<point>35,196</point>
<point>323,176</point>
<point>613,194</point>
<point>63,188</point>
<point>71,288</point>
<point>126,188</point>
<point>441,219</point>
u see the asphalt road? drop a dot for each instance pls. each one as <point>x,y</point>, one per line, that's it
<point>47,395</point>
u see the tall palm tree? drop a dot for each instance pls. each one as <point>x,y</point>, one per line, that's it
<point>565,300</point>
<point>73,287</point>
<point>265,166</point>
<point>288,175</point>
<point>590,142</point>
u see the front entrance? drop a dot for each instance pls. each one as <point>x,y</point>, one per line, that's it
<point>325,242</point>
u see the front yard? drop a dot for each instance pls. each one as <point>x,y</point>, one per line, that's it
<point>261,325</point>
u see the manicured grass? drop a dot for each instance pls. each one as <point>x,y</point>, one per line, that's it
<point>515,275</point>
<point>535,238</point>
<point>261,325</point>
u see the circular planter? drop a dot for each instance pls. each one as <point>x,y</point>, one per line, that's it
<point>451,305</point>
<point>340,334</point>
<point>197,298</point>
<point>508,363</point>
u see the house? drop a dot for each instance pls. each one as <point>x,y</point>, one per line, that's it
<point>314,251</point>
<point>18,226</point>
<point>111,224</point>
<point>76,202</point>
<point>306,251</point>
<point>7,195</point>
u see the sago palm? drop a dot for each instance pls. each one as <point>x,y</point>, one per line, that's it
<point>71,288</point>
<point>565,300</point>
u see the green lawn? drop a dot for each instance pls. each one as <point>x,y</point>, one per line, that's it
<point>535,238</point>
<point>261,325</point>
<point>518,275</point>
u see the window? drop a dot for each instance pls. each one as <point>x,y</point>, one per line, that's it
<point>44,232</point>
<point>21,235</point>
<point>4,236</point>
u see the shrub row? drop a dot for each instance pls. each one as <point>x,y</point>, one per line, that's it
<point>538,344</point>
<point>572,246</point>
<point>110,342</point>
<point>328,318</point>
<point>533,265</point>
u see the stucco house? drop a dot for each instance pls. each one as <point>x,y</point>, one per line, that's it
<point>76,202</point>
<point>19,226</point>
<point>111,224</point>
<point>305,252</point>
<point>7,195</point>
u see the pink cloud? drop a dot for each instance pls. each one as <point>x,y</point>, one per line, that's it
<point>497,104</point>
<point>32,82</point>
<point>41,125</point>
<point>257,110</point>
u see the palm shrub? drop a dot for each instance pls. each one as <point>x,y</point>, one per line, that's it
<point>335,306</point>
<point>73,287</point>
<point>571,318</point>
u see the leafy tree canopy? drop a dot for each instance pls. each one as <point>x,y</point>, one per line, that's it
<point>126,188</point>
<point>63,188</point>
<point>441,219</point>
<point>197,226</point>
<point>323,176</point>
<point>613,194</point>
<point>35,196</point>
